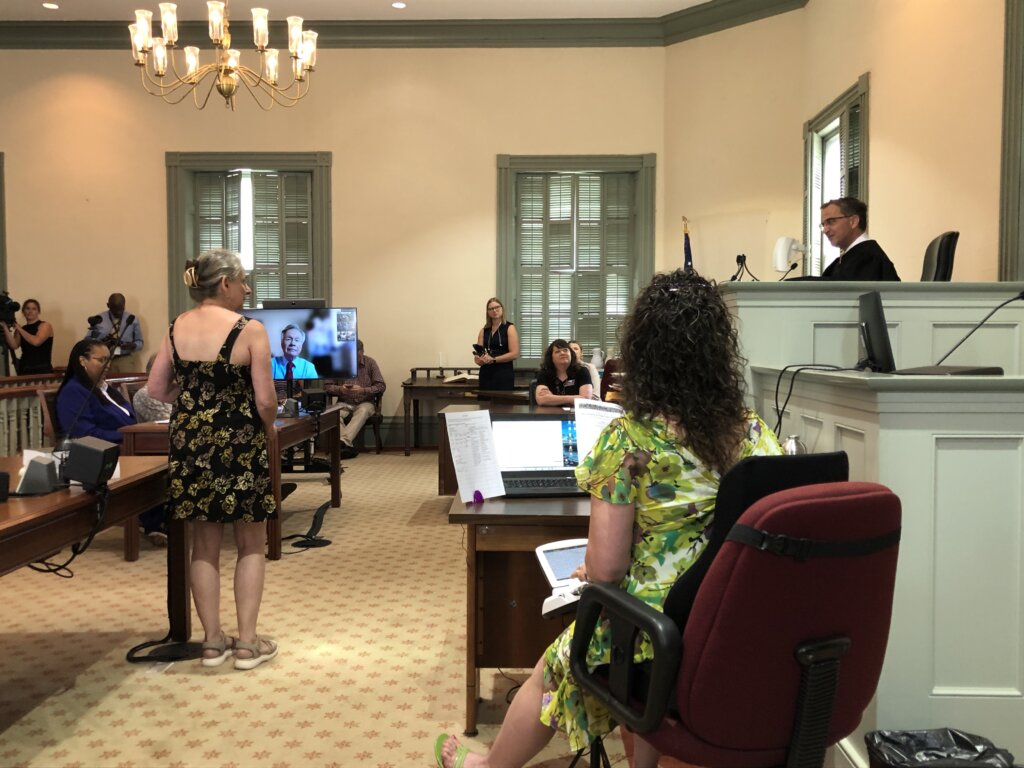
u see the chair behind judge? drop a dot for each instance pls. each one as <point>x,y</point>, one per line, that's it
<point>938,258</point>
<point>780,649</point>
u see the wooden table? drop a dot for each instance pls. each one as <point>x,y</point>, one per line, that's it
<point>152,438</point>
<point>428,384</point>
<point>447,483</point>
<point>505,587</point>
<point>33,527</point>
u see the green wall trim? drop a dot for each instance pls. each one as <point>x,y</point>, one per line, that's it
<point>1011,196</point>
<point>703,19</point>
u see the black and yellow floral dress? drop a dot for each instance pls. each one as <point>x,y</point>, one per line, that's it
<point>218,455</point>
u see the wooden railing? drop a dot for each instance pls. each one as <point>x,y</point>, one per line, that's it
<point>21,422</point>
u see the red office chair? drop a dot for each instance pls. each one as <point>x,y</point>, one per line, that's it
<point>784,642</point>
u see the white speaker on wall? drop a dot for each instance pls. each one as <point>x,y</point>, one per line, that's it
<point>787,250</point>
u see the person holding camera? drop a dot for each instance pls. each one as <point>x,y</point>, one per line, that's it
<point>35,339</point>
<point>122,334</point>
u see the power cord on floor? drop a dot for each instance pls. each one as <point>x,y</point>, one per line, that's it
<point>61,569</point>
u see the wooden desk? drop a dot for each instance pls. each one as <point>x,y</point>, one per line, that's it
<point>505,587</point>
<point>33,527</point>
<point>428,384</point>
<point>447,483</point>
<point>152,438</point>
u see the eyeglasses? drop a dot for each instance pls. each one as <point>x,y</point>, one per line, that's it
<point>496,306</point>
<point>831,221</point>
<point>100,359</point>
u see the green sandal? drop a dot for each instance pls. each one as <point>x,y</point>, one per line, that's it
<point>460,752</point>
<point>258,656</point>
<point>224,648</point>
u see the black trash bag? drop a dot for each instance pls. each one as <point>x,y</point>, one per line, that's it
<point>935,748</point>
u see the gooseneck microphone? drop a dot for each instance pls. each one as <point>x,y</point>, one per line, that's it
<point>792,266</point>
<point>979,324</point>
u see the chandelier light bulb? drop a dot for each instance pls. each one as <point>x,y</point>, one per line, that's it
<point>144,26</point>
<point>191,60</point>
<point>169,22</point>
<point>217,25</point>
<point>309,49</point>
<point>271,63</point>
<point>138,51</point>
<point>260,28</point>
<point>159,56</point>
<point>294,34</point>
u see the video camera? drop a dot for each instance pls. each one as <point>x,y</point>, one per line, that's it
<point>8,307</point>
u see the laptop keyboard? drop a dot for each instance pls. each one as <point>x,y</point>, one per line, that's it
<point>541,486</point>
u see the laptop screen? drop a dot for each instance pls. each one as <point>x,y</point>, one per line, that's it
<point>529,445</point>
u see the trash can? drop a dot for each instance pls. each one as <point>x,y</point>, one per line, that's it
<point>935,748</point>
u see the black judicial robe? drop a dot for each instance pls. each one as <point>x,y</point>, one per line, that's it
<point>865,261</point>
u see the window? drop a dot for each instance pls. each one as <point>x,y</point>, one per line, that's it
<point>835,165</point>
<point>274,210</point>
<point>576,243</point>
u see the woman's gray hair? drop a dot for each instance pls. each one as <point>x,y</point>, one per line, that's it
<point>203,275</point>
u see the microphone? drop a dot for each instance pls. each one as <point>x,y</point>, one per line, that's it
<point>792,266</point>
<point>976,327</point>
<point>741,264</point>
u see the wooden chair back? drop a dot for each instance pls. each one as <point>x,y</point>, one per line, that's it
<point>48,407</point>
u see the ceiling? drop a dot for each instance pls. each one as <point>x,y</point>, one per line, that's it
<point>355,10</point>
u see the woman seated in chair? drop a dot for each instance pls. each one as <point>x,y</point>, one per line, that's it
<point>561,378</point>
<point>88,407</point>
<point>653,478</point>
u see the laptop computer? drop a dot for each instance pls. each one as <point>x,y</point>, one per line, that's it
<point>536,453</point>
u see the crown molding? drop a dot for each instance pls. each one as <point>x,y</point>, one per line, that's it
<point>713,16</point>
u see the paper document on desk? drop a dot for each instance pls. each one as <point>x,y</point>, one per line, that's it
<point>592,416</point>
<point>472,445</point>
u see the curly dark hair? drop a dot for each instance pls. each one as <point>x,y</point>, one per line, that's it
<point>682,363</point>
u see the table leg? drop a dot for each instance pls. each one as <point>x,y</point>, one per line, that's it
<point>178,597</point>
<point>406,403</point>
<point>131,538</point>
<point>274,524</point>
<point>472,673</point>
<point>416,422</point>
<point>335,442</point>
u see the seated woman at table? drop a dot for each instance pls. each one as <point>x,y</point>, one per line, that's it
<point>653,478</point>
<point>34,338</point>
<point>88,407</point>
<point>86,404</point>
<point>561,378</point>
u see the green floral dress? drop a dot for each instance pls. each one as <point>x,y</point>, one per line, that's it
<point>218,465</point>
<point>639,462</point>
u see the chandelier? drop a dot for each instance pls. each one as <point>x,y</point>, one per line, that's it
<point>226,73</point>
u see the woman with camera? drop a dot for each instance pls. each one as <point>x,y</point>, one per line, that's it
<point>34,337</point>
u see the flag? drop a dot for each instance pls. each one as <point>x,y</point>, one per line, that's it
<point>687,253</point>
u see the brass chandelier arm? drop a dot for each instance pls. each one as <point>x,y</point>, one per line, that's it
<point>179,89</point>
<point>259,89</point>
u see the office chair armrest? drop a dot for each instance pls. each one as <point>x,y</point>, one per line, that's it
<point>620,685</point>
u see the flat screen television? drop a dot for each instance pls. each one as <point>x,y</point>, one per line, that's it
<point>319,342</point>
<point>293,303</point>
<point>874,335</point>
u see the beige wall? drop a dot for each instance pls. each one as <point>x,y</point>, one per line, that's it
<point>85,180</point>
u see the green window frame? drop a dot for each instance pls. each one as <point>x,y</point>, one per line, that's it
<point>291,207</point>
<point>847,117</point>
<point>575,245</point>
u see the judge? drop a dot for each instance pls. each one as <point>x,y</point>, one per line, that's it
<point>844,222</point>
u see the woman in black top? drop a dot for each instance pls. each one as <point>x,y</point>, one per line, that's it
<point>498,346</point>
<point>561,379</point>
<point>37,336</point>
